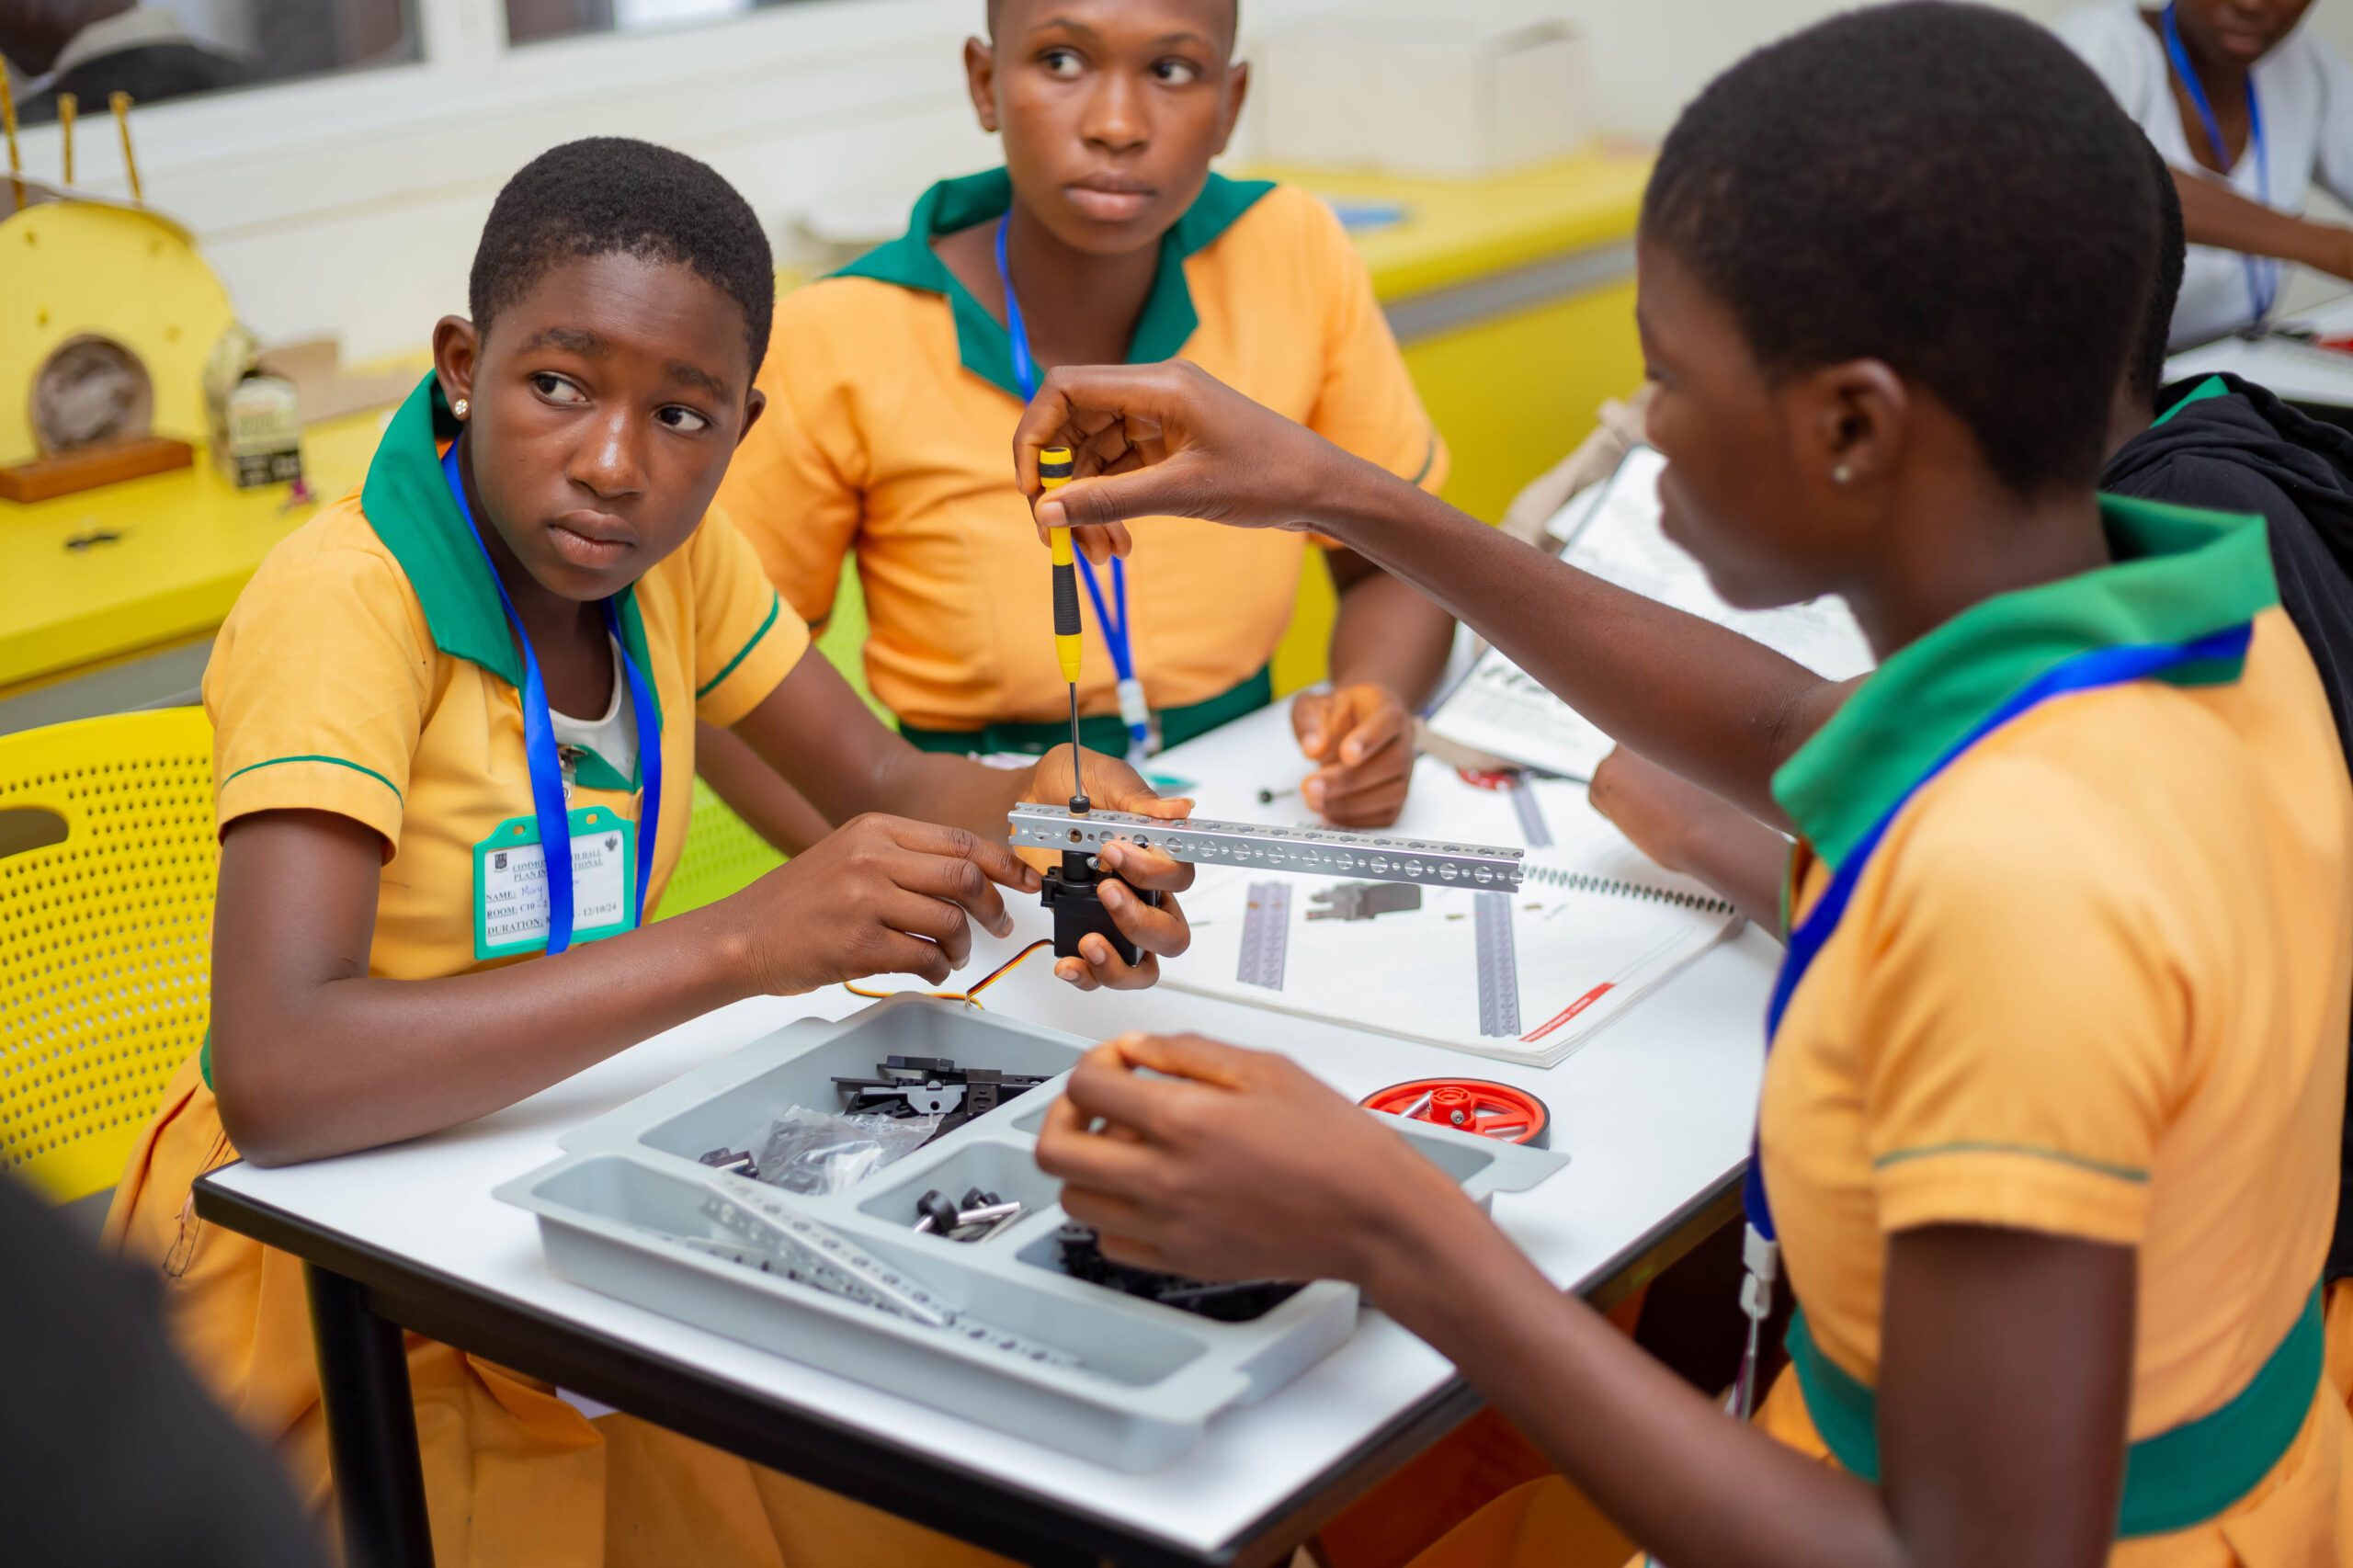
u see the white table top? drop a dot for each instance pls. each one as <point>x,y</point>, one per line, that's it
<point>2297,371</point>
<point>1654,1112</point>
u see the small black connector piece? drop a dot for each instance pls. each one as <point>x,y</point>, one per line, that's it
<point>1081,1254</point>
<point>1072,892</point>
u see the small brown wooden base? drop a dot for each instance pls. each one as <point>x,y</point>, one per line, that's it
<point>44,479</point>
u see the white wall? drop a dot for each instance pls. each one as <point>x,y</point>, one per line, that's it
<point>352,205</point>
<point>1651,56</point>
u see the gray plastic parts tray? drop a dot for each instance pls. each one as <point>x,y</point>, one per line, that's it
<point>991,1330</point>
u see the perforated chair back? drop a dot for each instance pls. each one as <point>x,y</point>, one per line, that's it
<point>107,865</point>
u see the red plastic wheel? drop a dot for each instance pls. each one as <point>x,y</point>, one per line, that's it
<point>1489,778</point>
<point>1469,1105</point>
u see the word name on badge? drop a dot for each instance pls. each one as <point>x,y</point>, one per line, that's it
<point>511,882</point>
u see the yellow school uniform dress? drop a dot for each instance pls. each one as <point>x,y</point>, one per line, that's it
<point>2092,982</point>
<point>368,670</point>
<point>891,404</point>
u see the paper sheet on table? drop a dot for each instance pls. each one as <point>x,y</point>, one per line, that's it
<point>1615,534</point>
<point>1596,927</point>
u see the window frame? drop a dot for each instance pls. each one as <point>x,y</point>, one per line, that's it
<point>466,107</point>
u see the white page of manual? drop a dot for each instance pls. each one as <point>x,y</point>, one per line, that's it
<point>1501,709</point>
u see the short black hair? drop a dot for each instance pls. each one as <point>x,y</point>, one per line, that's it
<point>1944,187</point>
<point>612,195</point>
<point>1234,16</point>
<point>2148,367</point>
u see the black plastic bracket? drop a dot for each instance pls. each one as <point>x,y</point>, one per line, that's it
<point>1072,894</point>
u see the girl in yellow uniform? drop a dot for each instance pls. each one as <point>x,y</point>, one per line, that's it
<point>503,642</point>
<point>895,384</point>
<point>2049,1120</point>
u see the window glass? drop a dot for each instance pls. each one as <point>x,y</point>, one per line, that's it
<point>532,21</point>
<point>172,49</point>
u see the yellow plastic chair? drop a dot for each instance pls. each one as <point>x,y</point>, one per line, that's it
<point>106,867</point>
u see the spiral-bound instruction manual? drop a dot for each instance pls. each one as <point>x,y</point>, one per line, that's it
<point>1613,530</point>
<point>1524,977</point>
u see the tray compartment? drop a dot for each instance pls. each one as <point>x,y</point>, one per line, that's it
<point>620,1189</point>
<point>739,1116</point>
<point>1127,1404</point>
<point>954,1167</point>
<point>1149,1378</point>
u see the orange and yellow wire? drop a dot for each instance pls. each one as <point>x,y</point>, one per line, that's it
<point>970,996</point>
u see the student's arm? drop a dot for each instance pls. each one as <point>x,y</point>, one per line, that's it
<point>2001,1395</point>
<point>795,491</point>
<point>311,1055</point>
<point>2334,170</point>
<point>1167,440</point>
<point>757,675</point>
<point>2007,1136</point>
<point>1686,829</point>
<point>813,730</point>
<point>1389,641</point>
<point>755,791</point>
<point>2213,214</point>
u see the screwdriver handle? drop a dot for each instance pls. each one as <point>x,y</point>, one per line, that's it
<point>1066,629</point>
<point>1053,472</point>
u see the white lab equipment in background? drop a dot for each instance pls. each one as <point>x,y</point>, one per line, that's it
<point>1418,89</point>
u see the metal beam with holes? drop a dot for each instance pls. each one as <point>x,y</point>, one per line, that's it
<point>1312,851</point>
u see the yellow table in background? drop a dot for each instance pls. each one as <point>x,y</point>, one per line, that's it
<point>109,599</point>
<point>1513,299</point>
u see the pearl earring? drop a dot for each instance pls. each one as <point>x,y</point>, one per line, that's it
<point>1842,475</point>
<point>459,407</point>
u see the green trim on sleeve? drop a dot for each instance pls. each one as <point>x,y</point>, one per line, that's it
<point>2030,1151</point>
<point>776,607</point>
<point>338,761</point>
<point>1429,461</point>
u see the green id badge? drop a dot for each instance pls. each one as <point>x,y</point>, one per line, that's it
<point>511,882</point>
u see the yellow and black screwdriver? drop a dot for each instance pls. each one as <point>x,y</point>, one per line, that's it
<point>1072,891</point>
<point>1054,464</point>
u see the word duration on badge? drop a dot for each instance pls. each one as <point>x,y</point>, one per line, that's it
<point>1081,835</point>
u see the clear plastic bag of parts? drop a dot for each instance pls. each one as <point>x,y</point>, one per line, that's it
<point>815,1151</point>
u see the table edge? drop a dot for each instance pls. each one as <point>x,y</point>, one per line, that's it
<point>430,1302</point>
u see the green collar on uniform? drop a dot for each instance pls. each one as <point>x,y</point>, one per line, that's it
<point>1169,316</point>
<point>2178,574</point>
<point>407,503</point>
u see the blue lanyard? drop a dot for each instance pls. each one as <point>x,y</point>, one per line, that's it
<point>2085,672</point>
<point>2262,276</point>
<point>539,751</point>
<point>1115,629</point>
